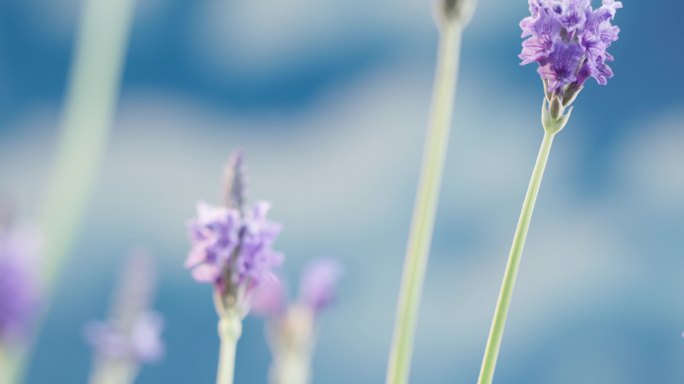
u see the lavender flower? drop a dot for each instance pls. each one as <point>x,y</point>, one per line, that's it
<point>19,292</point>
<point>131,336</point>
<point>232,248</point>
<point>569,39</point>
<point>291,327</point>
<point>316,290</point>
<point>317,287</point>
<point>141,344</point>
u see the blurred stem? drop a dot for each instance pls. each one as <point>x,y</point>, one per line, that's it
<point>425,207</point>
<point>9,363</point>
<point>291,367</point>
<point>88,112</point>
<point>112,371</point>
<point>230,330</point>
<point>89,107</point>
<point>502,306</point>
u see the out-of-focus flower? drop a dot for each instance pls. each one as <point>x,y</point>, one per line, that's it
<point>319,280</point>
<point>291,327</point>
<point>132,335</point>
<point>232,247</point>
<point>569,39</point>
<point>142,343</point>
<point>19,288</point>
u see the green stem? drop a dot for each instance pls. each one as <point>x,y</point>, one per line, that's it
<point>88,111</point>
<point>230,330</point>
<point>425,205</point>
<point>114,371</point>
<point>501,313</point>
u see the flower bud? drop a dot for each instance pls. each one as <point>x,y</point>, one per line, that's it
<point>450,11</point>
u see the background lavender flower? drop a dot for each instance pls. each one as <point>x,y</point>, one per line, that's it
<point>569,40</point>
<point>19,290</point>
<point>142,343</point>
<point>131,336</point>
<point>319,280</point>
<point>291,326</point>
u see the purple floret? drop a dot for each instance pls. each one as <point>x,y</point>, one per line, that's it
<point>142,343</point>
<point>19,293</point>
<point>319,280</point>
<point>227,244</point>
<point>569,39</point>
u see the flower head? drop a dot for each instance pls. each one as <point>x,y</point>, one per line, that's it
<point>569,39</point>
<point>316,291</point>
<point>317,287</point>
<point>132,334</point>
<point>233,249</point>
<point>141,343</point>
<point>19,293</point>
<point>232,245</point>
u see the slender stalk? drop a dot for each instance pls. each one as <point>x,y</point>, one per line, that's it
<point>501,313</point>
<point>230,330</point>
<point>88,112</point>
<point>91,97</point>
<point>109,371</point>
<point>426,204</point>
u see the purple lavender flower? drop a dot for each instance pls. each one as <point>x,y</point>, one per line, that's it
<point>232,247</point>
<point>317,287</point>
<point>316,290</point>
<point>142,343</point>
<point>569,39</point>
<point>227,244</point>
<point>19,293</point>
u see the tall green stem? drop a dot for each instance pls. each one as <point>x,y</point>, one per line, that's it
<point>88,111</point>
<point>426,204</point>
<point>90,102</point>
<point>501,313</point>
<point>230,330</point>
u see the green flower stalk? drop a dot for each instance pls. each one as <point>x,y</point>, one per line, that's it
<point>569,40</point>
<point>88,111</point>
<point>232,250</point>
<point>453,16</point>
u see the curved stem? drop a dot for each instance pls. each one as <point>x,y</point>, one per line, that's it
<point>230,330</point>
<point>425,205</point>
<point>501,313</point>
<point>88,111</point>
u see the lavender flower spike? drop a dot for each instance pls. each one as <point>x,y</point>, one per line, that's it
<point>317,287</point>
<point>291,327</point>
<point>232,249</point>
<point>131,336</point>
<point>569,40</point>
<point>19,288</point>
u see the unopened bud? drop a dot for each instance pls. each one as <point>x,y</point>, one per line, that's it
<point>236,182</point>
<point>571,94</point>
<point>460,11</point>
<point>555,107</point>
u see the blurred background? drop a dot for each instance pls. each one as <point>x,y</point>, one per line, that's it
<point>329,100</point>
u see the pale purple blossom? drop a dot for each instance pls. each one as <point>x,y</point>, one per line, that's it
<point>141,342</point>
<point>569,39</point>
<point>229,245</point>
<point>19,288</point>
<point>318,284</point>
<point>317,291</point>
